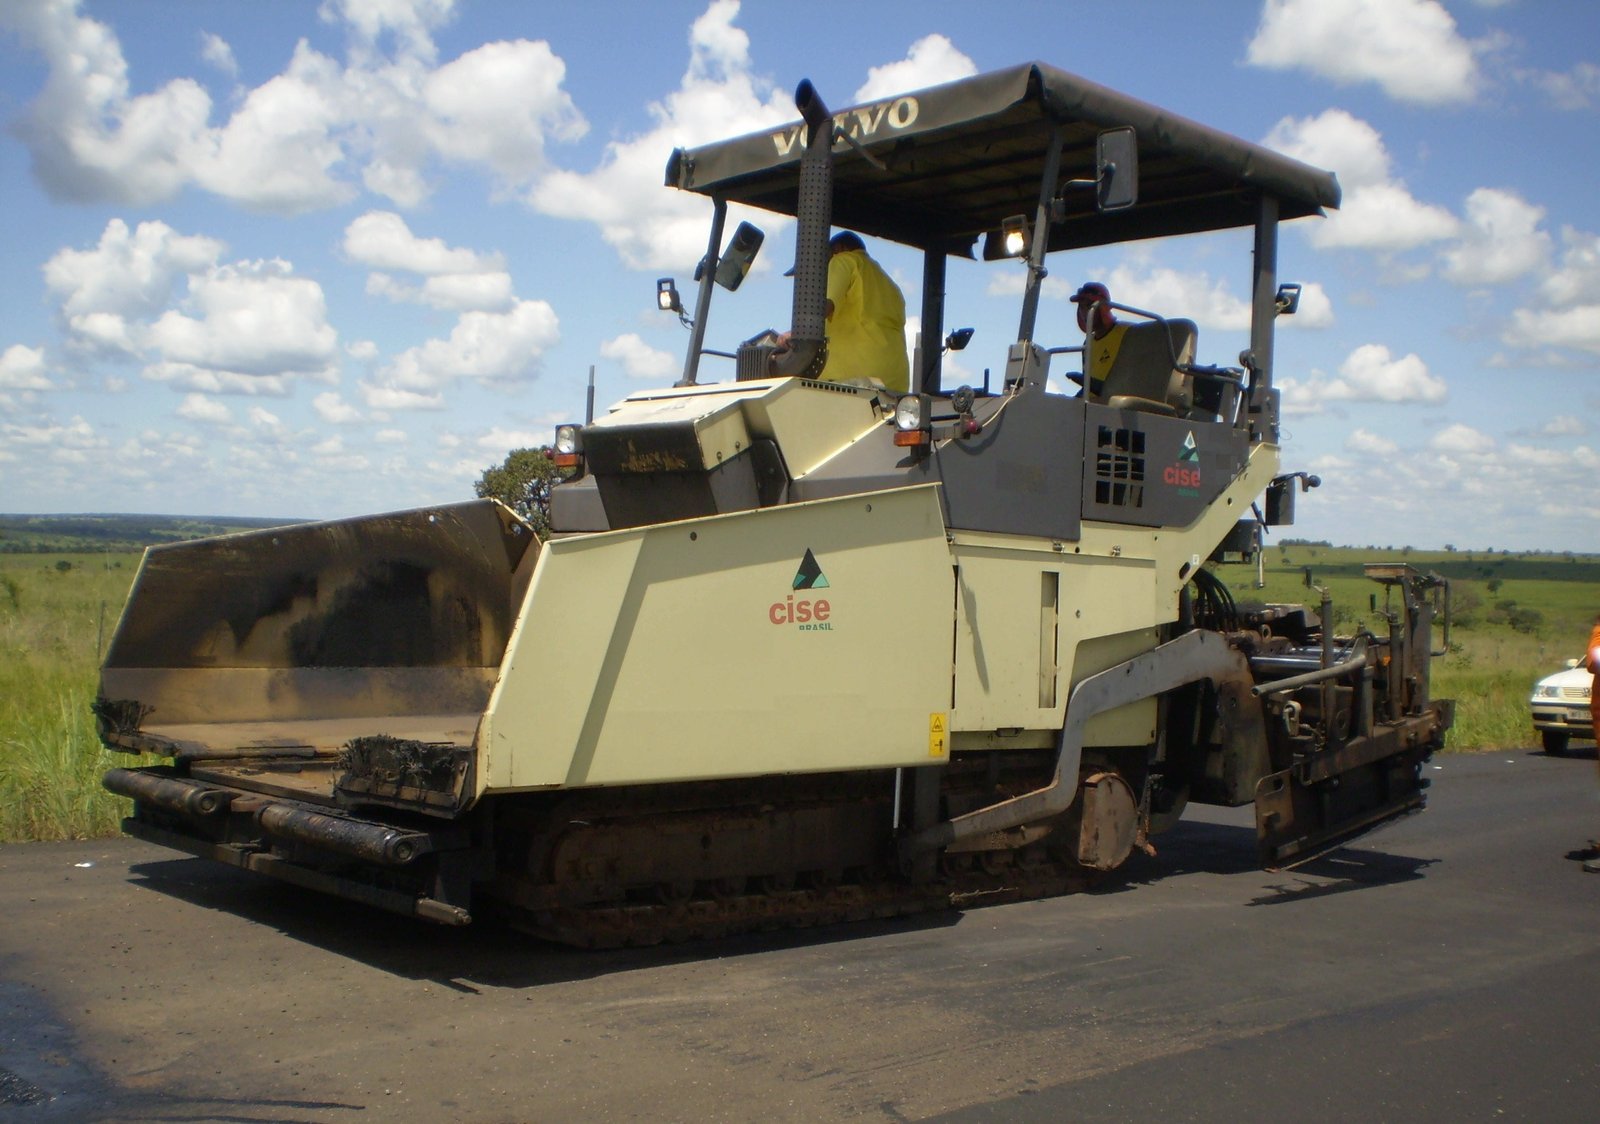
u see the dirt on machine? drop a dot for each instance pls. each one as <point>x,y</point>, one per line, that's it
<point>800,651</point>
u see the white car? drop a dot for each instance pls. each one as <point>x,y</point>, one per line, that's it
<point>1560,705</point>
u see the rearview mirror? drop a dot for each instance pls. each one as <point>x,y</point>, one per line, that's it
<point>736,259</point>
<point>1287,301</point>
<point>1116,161</point>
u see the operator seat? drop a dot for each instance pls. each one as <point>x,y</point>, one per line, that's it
<point>1147,372</point>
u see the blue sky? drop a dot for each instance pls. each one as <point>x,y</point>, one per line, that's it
<point>318,259</point>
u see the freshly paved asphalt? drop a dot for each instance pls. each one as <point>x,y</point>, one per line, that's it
<point>1446,968</point>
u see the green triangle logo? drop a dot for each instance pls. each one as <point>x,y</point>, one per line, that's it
<point>810,575</point>
<point>1189,452</point>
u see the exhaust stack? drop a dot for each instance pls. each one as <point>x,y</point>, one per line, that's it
<point>808,349</point>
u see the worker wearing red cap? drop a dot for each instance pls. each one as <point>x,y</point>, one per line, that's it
<point>1099,346</point>
<point>1591,661</point>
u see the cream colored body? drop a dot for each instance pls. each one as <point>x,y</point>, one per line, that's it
<point>682,650</point>
<point>810,421</point>
<point>652,654</point>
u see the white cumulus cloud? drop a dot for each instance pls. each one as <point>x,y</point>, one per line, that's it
<point>1193,296</point>
<point>383,240</point>
<point>216,51</point>
<point>1500,242</point>
<point>1564,425</point>
<point>332,408</point>
<point>22,368</point>
<point>1377,211</point>
<point>1566,317</point>
<point>280,151</point>
<point>718,97</point>
<point>494,347</point>
<point>252,318</point>
<point>1370,373</point>
<point>1411,49</point>
<point>265,419</point>
<point>105,293</point>
<point>1574,89</point>
<point>75,442</point>
<point>931,60</point>
<point>311,136</point>
<point>639,359</point>
<point>1577,327</point>
<point>156,295</point>
<point>1461,440</point>
<point>495,106</point>
<point>1577,279</point>
<point>454,278</point>
<point>204,408</point>
<point>1365,441</point>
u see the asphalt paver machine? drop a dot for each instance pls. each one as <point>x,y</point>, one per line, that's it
<point>799,651</point>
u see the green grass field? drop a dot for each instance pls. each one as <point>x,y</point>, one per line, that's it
<point>55,611</point>
<point>58,610</point>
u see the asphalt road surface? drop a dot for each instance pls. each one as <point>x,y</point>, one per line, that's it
<point>1447,968</point>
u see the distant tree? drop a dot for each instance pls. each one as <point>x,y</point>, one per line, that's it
<point>1494,585</point>
<point>522,482</point>
<point>62,566</point>
<point>1525,620</point>
<point>1449,548</point>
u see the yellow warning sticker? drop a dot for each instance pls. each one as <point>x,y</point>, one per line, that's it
<point>938,735</point>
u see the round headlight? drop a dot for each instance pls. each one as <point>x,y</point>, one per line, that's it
<point>566,439</point>
<point>911,412</point>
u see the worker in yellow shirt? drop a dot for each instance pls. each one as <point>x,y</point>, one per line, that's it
<point>1101,344</point>
<point>866,319</point>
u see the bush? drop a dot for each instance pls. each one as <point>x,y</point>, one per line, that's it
<point>1525,620</point>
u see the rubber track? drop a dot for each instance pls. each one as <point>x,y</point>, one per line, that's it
<point>616,926</point>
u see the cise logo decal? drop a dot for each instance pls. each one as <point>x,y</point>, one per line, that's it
<point>1186,473</point>
<point>861,124</point>
<point>807,614</point>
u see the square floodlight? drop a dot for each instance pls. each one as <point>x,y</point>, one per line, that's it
<point>667,299</point>
<point>1014,236</point>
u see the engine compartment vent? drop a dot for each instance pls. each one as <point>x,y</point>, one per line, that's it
<point>1119,467</point>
